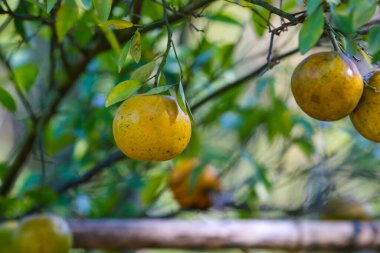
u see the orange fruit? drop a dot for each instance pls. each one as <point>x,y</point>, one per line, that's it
<point>151,128</point>
<point>197,194</point>
<point>43,234</point>
<point>343,208</point>
<point>327,86</point>
<point>366,116</point>
<point>7,236</point>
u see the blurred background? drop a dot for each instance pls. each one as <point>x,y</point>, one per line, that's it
<point>274,161</point>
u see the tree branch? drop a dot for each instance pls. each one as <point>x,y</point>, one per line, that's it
<point>241,80</point>
<point>222,234</point>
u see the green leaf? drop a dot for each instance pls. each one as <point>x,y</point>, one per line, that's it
<point>118,24</point>
<point>136,47</point>
<point>84,4</point>
<point>159,90</point>
<point>67,15</point>
<point>103,8</point>
<point>162,81</point>
<point>311,30</point>
<point>143,73</point>
<point>123,56</point>
<point>122,91</point>
<point>312,5</point>
<point>50,5</point>
<point>350,46</point>
<point>373,39</point>
<point>7,100</point>
<point>362,11</point>
<point>342,16</point>
<point>25,75</point>
<point>225,19</point>
<point>189,113</point>
<point>181,99</point>
<point>259,20</point>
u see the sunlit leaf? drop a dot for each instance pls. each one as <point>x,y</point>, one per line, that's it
<point>50,5</point>
<point>136,47</point>
<point>123,91</point>
<point>159,90</point>
<point>25,75</point>
<point>123,56</point>
<point>103,8</point>
<point>144,72</point>
<point>119,24</point>
<point>67,15</point>
<point>7,100</point>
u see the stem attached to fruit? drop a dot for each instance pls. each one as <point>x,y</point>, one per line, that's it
<point>331,33</point>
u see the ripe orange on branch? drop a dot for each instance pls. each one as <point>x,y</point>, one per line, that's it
<point>327,86</point>
<point>151,128</point>
<point>366,116</point>
<point>197,194</point>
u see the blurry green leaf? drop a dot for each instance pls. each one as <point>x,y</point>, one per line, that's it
<point>135,49</point>
<point>84,4</point>
<point>124,55</point>
<point>41,195</point>
<point>144,72</point>
<point>103,8</point>
<point>159,90</point>
<point>20,28</point>
<point>7,100</point>
<point>122,91</point>
<point>80,149</point>
<point>181,99</point>
<point>225,19</point>
<point>305,144</point>
<point>374,39</point>
<point>362,11</point>
<point>50,5</point>
<point>189,112</point>
<point>25,75</point>
<point>350,46</point>
<point>260,17</point>
<point>312,5</point>
<point>119,24</point>
<point>365,56</point>
<point>342,16</point>
<point>311,30</point>
<point>152,188</point>
<point>67,15</point>
<point>162,80</point>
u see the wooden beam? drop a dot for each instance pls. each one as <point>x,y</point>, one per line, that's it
<point>195,234</point>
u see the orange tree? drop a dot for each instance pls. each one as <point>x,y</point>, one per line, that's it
<point>228,65</point>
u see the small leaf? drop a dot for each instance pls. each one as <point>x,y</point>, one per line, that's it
<point>136,47</point>
<point>342,16</point>
<point>67,15</point>
<point>362,11</point>
<point>143,73</point>
<point>350,46</point>
<point>50,5</point>
<point>312,5</point>
<point>189,113</point>
<point>25,75</point>
<point>159,90</point>
<point>181,98</point>
<point>103,8</point>
<point>124,55</point>
<point>7,100</point>
<point>122,91</point>
<point>162,80</point>
<point>118,24</point>
<point>311,30</point>
<point>373,39</point>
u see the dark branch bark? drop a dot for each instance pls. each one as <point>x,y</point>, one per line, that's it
<point>258,234</point>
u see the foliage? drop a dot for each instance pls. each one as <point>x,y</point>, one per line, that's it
<point>60,60</point>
